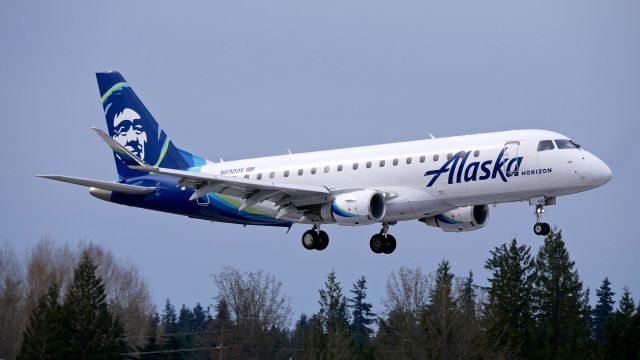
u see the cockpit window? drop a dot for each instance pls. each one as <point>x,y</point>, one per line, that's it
<point>545,145</point>
<point>566,144</point>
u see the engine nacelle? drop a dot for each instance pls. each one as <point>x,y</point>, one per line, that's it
<point>460,219</point>
<point>356,208</point>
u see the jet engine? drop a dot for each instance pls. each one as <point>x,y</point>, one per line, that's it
<point>460,219</point>
<point>356,208</point>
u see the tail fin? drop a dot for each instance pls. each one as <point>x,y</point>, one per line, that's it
<point>132,125</point>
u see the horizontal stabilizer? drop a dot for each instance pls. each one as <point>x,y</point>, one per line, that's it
<point>105,185</point>
<point>127,156</point>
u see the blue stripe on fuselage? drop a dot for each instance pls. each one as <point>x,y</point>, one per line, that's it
<point>171,199</point>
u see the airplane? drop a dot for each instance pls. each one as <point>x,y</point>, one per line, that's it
<point>446,182</point>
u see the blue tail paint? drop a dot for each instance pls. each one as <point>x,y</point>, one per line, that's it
<point>132,125</point>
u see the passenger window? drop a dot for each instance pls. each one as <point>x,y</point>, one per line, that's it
<point>476,153</point>
<point>463,154</point>
<point>355,166</point>
<point>246,176</point>
<point>545,145</point>
<point>408,160</point>
<point>368,164</point>
<point>286,173</point>
<point>449,156</point>
<point>259,176</point>
<point>340,167</point>
<point>382,162</point>
<point>422,158</point>
<point>326,169</point>
<point>566,144</point>
<point>300,172</point>
<point>272,175</point>
<point>313,170</point>
<point>395,162</point>
<point>436,157</point>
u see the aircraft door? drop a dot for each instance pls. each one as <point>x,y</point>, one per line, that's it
<point>511,149</point>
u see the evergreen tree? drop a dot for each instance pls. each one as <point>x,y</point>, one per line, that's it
<point>299,332</point>
<point>467,298</point>
<point>171,343</point>
<point>315,340</point>
<point>587,342</point>
<point>44,337</point>
<point>185,329</point>
<point>94,334</point>
<point>558,302</point>
<point>626,305</point>
<point>151,348</point>
<point>619,339</point>
<point>632,350</point>
<point>221,331</point>
<point>199,318</point>
<point>361,315</point>
<point>222,311</point>
<point>603,309</point>
<point>438,321</point>
<point>335,320</point>
<point>510,325</point>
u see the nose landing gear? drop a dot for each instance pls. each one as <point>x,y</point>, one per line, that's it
<point>541,228</point>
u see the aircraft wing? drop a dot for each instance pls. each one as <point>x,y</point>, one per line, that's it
<point>251,190</point>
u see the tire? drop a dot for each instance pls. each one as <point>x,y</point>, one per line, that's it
<point>546,230</point>
<point>389,244</point>
<point>323,240</point>
<point>539,228</point>
<point>310,239</point>
<point>376,243</point>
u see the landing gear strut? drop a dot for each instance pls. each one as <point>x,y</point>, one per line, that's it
<point>541,228</point>
<point>383,242</point>
<point>315,239</point>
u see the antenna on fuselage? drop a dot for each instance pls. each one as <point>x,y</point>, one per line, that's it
<point>431,136</point>
<point>289,151</point>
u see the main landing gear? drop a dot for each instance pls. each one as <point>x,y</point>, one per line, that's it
<point>541,228</point>
<point>383,242</point>
<point>315,239</point>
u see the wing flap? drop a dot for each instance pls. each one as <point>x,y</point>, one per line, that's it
<point>104,185</point>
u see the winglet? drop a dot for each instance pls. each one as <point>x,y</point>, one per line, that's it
<point>127,156</point>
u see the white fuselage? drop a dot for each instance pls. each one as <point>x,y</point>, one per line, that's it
<point>492,168</point>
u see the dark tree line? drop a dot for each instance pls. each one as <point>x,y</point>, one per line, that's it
<point>534,307</point>
<point>26,280</point>
<point>77,327</point>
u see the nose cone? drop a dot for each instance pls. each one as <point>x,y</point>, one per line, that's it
<point>600,172</point>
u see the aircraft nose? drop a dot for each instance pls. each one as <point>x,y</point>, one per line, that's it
<point>601,173</point>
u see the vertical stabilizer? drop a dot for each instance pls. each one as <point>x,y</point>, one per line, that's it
<point>130,124</point>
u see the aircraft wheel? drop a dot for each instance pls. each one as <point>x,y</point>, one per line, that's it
<point>310,239</point>
<point>541,228</point>
<point>547,229</point>
<point>389,244</point>
<point>323,240</point>
<point>377,243</point>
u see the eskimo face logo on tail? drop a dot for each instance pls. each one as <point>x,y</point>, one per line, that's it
<point>129,132</point>
<point>459,171</point>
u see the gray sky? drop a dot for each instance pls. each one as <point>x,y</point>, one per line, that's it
<point>251,78</point>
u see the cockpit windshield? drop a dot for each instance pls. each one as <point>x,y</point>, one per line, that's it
<point>545,145</point>
<point>566,144</point>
